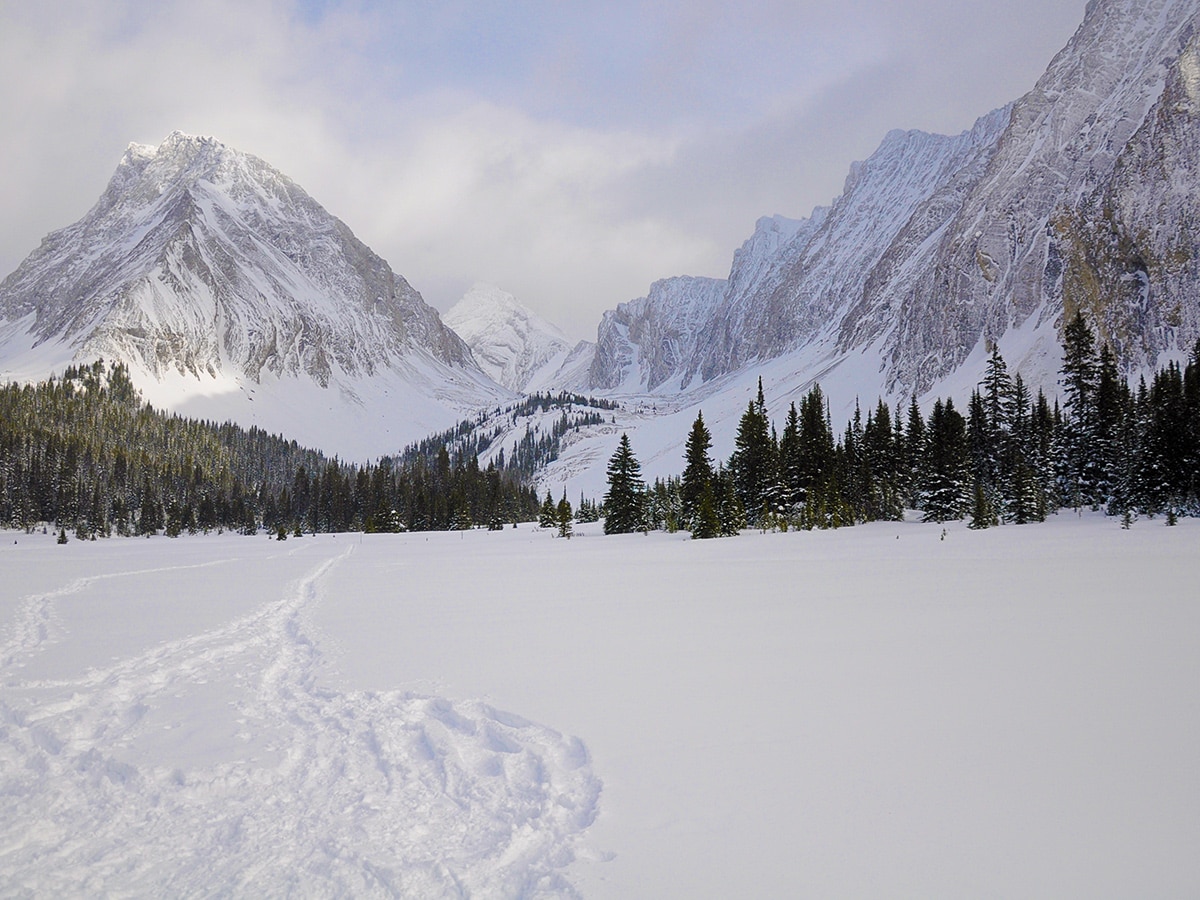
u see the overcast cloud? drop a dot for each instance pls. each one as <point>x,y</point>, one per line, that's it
<point>569,153</point>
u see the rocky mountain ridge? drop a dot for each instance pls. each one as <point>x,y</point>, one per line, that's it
<point>940,245</point>
<point>199,258</point>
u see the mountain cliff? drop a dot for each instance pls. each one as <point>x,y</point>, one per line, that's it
<point>1079,194</point>
<point>198,257</point>
<point>644,344</point>
<point>213,274</point>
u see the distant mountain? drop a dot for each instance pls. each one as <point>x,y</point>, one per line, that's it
<point>643,345</point>
<point>222,284</point>
<point>1081,194</point>
<point>511,343</point>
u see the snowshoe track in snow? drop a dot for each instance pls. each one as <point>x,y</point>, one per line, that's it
<point>292,788</point>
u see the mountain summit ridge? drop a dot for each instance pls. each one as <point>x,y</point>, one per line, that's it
<point>209,272</point>
<point>198,257</point>
<point>941,245</point>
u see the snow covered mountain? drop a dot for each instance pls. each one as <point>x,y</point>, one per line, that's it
<point>512,344</point>
<point>643,345</point>
<point>1080,193</point>
<point>232,293</point>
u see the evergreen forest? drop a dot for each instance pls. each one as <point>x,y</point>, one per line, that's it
<point>83,453</point>
<point>1011,457</point>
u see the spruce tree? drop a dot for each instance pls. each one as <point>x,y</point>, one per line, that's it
<point>565,516</point>
<point>914,454</point>
<point>947,471</point>
<point>730,514</point>
<point>548,514</point>
<point>706,523</point>
<point>697,472</point>
<point>623,502</point>
<point>816,451</point>
<point>1081,465</point>
<point>880,459</point>
<point>752,463</point>
<point>791,462</point>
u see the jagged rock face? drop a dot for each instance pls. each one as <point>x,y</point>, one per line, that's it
<point>1080,193</point>
<point>509,341</point>
<point>653,335</point>
<point>1129,251</point>
<point>891,204</point>
<point>199,258</point>
<point>999,262</point>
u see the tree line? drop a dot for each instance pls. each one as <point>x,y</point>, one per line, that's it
<point>536,448</point>
<point>84,453</point>
<point>1012,457</point>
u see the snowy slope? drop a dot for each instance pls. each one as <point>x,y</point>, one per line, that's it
<point>511,343</point>
<point>213,275</point>
<point>1001,713</point>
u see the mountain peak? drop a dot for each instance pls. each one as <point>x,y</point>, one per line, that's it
<point>510,342</point>
<point>203,263</point>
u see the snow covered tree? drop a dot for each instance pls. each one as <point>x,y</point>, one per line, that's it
<point>565,516</point>
<point>587,511</point>
<point>914,454</point>
<point>548,514</point>
<point>623,502</point>
<point>753,460</point>
<point>947,472</point>
<point>790,462</point>
<point>880,461</point>
<point>706,522</point>
<point>697,472</point>
<point>730,514</point>
<point>810,464</point>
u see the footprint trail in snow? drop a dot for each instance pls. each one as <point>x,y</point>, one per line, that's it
<point>214,764</point>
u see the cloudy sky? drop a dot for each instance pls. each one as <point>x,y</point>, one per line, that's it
<point>571,153</point>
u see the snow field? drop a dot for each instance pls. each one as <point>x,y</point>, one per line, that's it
<point>895,710</point>
<point>212,763</point>
<point>876,711</point>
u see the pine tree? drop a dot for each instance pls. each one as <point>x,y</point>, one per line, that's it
<point>1082,466</point>
<point>816,451</point>
<point>565,516</point>
<point>706,522</point>
<point>548,515</point>
<point>947,472</point>
<point>914,454</point>
<point>624,499</point>
<point>752,463</point>
<point>730,514</point>
<point>881,458</point>
<point>697,472</point>
<point>791,463</point>
<point>983,514</point>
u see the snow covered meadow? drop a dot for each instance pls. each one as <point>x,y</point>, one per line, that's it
<point>888,710</point>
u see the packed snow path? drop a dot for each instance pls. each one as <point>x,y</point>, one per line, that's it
<point>107,786</point>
